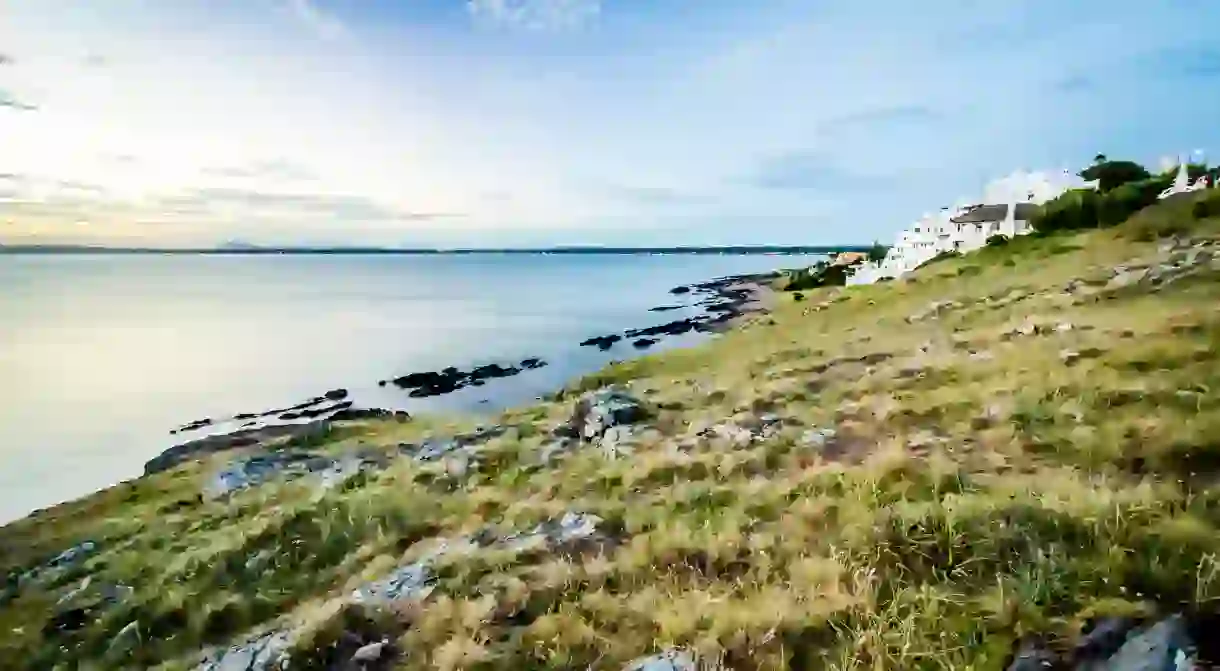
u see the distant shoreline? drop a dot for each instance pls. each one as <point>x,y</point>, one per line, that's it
<point>622,251</point>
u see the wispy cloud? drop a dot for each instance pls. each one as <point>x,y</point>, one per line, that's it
<point>807,169</point>
<point>540,15</point>
<point>277,169</point>
<point>323,23</point>
<point>885,116</point>
<point>339,207</point>
<point>652,195</point>
<point>5,59</point>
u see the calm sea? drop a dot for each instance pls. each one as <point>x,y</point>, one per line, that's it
<point>101,356</point>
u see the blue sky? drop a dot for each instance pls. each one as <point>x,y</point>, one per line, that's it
<point>532,122</point>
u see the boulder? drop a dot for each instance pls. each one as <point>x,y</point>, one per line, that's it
<point>602,342</point>
<point>335,395</point>
<point>269,652</point>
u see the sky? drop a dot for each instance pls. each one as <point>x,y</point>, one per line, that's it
<point>554,122</point>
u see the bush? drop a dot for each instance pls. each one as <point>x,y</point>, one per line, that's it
<point>1073,210</point>
<point>998,240</point>
<point>820,275</point>
<point>1079,209</point>
<point>1113,174</point>
<point>1201,210</point>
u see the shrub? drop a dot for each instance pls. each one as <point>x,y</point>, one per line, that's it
<point>1113,174</point>
<point>1080,209</point>
<point>1200,210</point>
<point>1073,210</point>
<point>998,240</point>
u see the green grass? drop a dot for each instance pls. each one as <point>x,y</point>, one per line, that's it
<point>977,490</point>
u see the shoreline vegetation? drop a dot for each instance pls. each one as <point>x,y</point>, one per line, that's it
<point>1003,460</point>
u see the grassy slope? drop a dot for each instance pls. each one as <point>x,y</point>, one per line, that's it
<point>966,501</point>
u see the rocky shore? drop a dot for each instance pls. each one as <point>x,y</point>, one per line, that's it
<point>721,300</point>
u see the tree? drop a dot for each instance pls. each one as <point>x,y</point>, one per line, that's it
<point>1113,174</point>
<point>1100,158</point>
<point>877,252</point>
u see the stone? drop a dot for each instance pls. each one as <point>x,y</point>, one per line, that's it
<point>1104,639</point>
<point>599,411</point>
<point>1069,357</point>
<point>268,652</point>
<point>817,438</point>
<point>1125,278</point>
<point>1166,646</point>
<point>370,653</point>
<point>335,395</point>
<point>670,660</point>
<point>1032,657</point>
<point>1063,327</point>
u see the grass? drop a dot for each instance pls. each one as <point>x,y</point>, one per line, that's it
<point>976,491</point>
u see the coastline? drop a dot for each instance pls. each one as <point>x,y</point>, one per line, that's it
<point>984,462</point>
<point>720,301</point>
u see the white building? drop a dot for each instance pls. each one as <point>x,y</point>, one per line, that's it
<point>967,227</point>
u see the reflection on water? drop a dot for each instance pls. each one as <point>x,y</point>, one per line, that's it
<point>100,356</point>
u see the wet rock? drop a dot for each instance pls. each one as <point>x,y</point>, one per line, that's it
<point>192,426</point>
<point>644,343</point>
<point>670,660</point>
<point>269,652</point>
<point>335,395</point>
<point>313,413</point>
<point>355,414</point>
<point>665,308</point>
<point>676,327</point>
<point>679,290</point>
<point>437,383</point>
<point>602,342</point>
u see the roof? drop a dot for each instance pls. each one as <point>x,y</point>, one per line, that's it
<point>848,258</point>
<point>981,213</point>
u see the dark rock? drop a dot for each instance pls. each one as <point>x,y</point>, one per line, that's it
<point>679,290</point>
<point>192,426</point>
<point>354,414</point>
<point>244,416</point>
<point>677,327</point>
<point>312,413</point>
<point>72,619</point>
<point>665,308</point>
<point>1033,657</point>
<point>219,443</point>
<point>335,395</point>
<point>798,297</point>
<point>532,363</point>
<point>1103,639</point>
<point>644,343</point>
<point>432,383</point>
<point>602,342</point>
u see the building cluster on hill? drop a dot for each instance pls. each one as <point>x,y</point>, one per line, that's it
<point>1006,209</point>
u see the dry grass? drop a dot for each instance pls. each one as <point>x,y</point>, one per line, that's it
<point>978,490</point>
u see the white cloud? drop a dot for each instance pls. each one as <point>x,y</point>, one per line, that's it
<point>542,15</point>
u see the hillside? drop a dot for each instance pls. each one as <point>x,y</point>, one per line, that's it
<point>1010,449</point>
